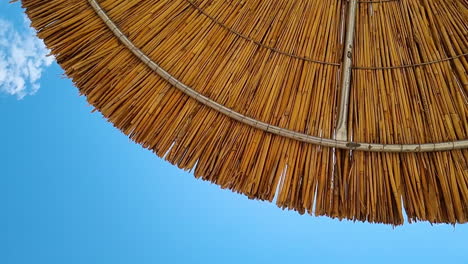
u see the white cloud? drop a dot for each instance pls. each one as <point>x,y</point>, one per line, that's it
<point>22,59</point>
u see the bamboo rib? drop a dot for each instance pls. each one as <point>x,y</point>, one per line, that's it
<point>282,91</point>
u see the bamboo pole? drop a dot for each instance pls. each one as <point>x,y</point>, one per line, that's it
<point>341,132</point>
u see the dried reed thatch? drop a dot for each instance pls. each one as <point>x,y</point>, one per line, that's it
<point>247,94</point>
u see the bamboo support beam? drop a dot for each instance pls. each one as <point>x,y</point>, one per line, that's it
<point>341,132</point>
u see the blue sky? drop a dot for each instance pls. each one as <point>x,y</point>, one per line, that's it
<point>73,189</point>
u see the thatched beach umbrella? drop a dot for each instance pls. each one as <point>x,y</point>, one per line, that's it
<point>349,109</point>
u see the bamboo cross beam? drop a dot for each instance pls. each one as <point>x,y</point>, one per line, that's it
<point>341,132</point>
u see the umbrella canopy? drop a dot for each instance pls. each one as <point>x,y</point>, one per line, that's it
<point>350,109</point>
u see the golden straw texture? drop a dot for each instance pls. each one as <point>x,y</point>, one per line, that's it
<point>278,62</point>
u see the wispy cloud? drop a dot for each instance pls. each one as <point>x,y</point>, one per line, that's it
<point>22,59</point>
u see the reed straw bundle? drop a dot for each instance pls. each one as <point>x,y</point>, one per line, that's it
<point>213,86</point>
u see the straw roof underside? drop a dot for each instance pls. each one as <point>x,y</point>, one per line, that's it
<point>259,58</point>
